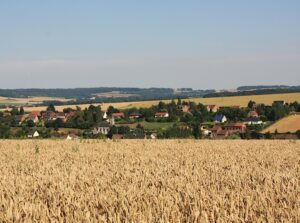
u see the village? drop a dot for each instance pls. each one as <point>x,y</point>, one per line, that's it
<point>178,119</point>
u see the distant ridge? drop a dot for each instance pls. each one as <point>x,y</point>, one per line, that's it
<point>260,87</point>
<point>256,90</point>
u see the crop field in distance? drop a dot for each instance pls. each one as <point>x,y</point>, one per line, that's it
<point>290,123</point>
<point>149,181</point>
<point>29,100</point>
<point>220,101</point>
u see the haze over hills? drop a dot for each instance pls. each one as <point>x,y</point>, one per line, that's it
<point>118,94</point>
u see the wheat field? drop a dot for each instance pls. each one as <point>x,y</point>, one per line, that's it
<point>290,123</point>
<point>149,181</point>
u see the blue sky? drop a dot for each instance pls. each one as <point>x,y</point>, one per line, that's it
<point>199,44</point>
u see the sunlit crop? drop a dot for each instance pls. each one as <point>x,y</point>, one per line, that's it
<point>149,181</point>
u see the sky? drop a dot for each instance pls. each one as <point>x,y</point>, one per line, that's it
<point>159,43</point>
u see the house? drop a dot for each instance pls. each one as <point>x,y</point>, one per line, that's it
<point>33,134</point>
<point>111,121</point>
<point>37,113</point>
<point>71,136</point>
<point>118,115</point>
<point>212,108</point>
<point>222,134</point>
<point>215,129</point>
<point>70,115</point>
<point>161,115</point>
<point>153,136</point>
<point>134,116</point>
<point>20,118</point>
<point>6,114</point>
<point>205,131</point>
<point>62,116</point>
<point>219,118</point>
<point>253,121</point>
<point>236,127</point>
<point>102,127</point>
<point>49,116</point>
<point>183,108</point>
<point>33,117</point>
<point>104,116</point>
<point>253,114</point>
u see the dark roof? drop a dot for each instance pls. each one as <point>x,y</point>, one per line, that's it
<point>218,117</point>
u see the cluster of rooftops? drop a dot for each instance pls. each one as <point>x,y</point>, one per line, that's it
<point>219,130</point>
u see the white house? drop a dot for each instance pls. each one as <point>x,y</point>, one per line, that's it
<point>205,131</point>
<point>153,136</point>
<point>103,128</point>
<point>253,121</point>
<point>71,137</point>
<point>161,115</point>
<point>104,115</point>
<point>33,134</point>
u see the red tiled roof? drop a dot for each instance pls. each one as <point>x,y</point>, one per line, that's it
<point>32,116</point>
<point>252,114</point>
<point>118,114</point>
<point>38,113</point>
<point>235,124</point>
<point>211,106</point>
<point>215,128</point>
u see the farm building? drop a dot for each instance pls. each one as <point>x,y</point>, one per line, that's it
<point>237,127</point>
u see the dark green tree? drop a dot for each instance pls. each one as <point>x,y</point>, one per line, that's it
<point>268,135</point>
<point>51,108</point>
<point>14,112</point>
<point>30,123</point>
<point>22,112</point>
<point>298,134</point>
<point>196,131</point>
<point>4,131</point>
<point>251,104</point>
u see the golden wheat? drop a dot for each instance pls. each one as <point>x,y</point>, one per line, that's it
<point>149,181</point>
